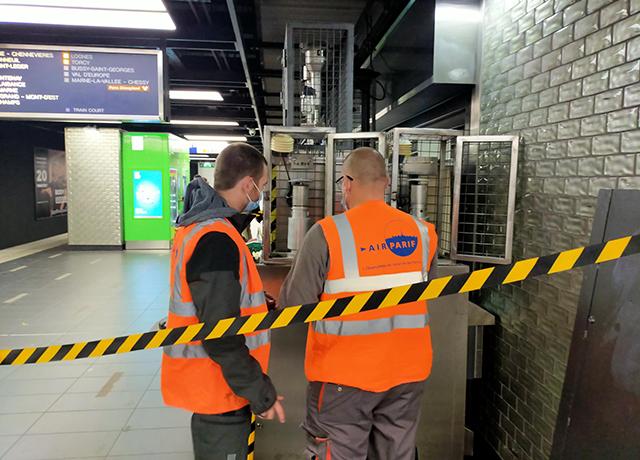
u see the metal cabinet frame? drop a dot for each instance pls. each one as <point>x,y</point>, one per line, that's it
<point>329,188</point>
<point>513,172</point>
<point>269,131</point>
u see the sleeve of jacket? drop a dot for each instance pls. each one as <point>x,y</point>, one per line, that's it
<point>305,281</point>
<point>213,278</point>
<point>433,269</point>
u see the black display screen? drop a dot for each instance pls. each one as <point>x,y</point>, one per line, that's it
<point>81,83</point>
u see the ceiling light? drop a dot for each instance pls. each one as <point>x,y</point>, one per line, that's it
<point>198,137</point>
<point>194,95</point>
<point>204,122</point>
<point>458,13</point>
<point>138,5</point>
<point>142,14</point>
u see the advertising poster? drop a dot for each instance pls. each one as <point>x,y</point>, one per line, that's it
<point>50,169</point>
<point>147,195</point>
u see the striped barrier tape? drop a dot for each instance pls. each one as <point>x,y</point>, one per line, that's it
<point>274,207</point>
<point>384,298</point>
<point>252,438</point>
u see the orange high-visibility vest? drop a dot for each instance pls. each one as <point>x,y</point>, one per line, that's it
<point>190,379</point>
<point>373,246</point>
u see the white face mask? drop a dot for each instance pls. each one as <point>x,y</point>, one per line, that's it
<point>253,205</point>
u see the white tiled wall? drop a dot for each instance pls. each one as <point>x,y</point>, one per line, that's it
<point>93,169</point>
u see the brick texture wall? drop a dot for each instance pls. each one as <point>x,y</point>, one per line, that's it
<point>565,76</point>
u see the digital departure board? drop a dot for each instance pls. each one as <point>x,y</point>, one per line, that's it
<point>43,82</point>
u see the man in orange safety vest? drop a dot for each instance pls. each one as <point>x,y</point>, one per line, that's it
<point>366,371</point>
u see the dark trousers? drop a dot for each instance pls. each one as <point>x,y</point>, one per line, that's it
<point>221,437</point>
<point>345,423</point>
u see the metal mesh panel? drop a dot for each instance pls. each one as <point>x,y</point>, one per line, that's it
<point>425,179</point>
<point>321,73</point>
<point>307,163</point>
<point>342,148</point>
<point>484,199</point>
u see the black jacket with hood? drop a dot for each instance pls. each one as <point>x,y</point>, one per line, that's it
<point>213,278</point>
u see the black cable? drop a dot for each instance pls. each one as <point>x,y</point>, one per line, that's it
<point>284,160</point>
<point>384,91</point>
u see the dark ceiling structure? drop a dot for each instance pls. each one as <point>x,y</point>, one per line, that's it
<point>234,47</point>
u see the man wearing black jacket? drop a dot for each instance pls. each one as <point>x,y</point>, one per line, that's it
<point>218,289</point>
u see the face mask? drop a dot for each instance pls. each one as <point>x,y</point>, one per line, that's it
<point>252,205</point>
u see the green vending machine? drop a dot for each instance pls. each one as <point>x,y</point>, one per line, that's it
<point>153,186</point>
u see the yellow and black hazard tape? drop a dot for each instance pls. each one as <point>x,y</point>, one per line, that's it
<point>274,207</point>
<point>384,298</point>
<point>252,438</point>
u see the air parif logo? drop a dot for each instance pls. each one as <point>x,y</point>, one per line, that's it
<point>402,245</point>
<point>399,244</point>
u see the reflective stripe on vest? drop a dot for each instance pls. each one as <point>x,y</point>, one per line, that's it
<point>253,342</point>
<point>253,300</point>
<point>374,326</point>
<point>176,292</point>
<point>177,307</point>
<point>347,247</point>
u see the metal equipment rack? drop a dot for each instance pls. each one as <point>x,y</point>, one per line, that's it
<point>484,198</point>
<point>306,162</point>
<point>464,185</point>
<point>425,170</point>
<point>338,147</point>
<point>317,79</point>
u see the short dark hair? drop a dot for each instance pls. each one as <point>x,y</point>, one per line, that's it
<point>236,161</point>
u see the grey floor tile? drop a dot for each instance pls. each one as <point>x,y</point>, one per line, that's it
<point>152,398</point>
<point>115,382</point>
<point>174,456</point>
<point>49,371</point>
<point>62,446</point>
<point>155,383</point>
<point>81,421</point>
<point>23,341</point>
<point>17,424</point>
<point>5,371</point>
<point>127,369</point>
<point>35,387</point>
<point>159,417</point>
<point>6,442</point>
<point>164,440</point>
<point>24,404</point>
<point>89,401</point>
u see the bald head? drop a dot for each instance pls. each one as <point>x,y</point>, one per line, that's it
<point>365,177</point>
<point>366,165</point>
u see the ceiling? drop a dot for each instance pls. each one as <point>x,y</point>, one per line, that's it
<point>234,52</point>
<point>204,52</point>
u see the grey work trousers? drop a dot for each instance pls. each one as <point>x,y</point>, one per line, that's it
<point>221,437</point>
<point>345,423</point>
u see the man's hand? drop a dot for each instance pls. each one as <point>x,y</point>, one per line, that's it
<point>276,411</point>
<point>271,302</point>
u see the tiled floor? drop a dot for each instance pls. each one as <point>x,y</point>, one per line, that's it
<point>107,408</point>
